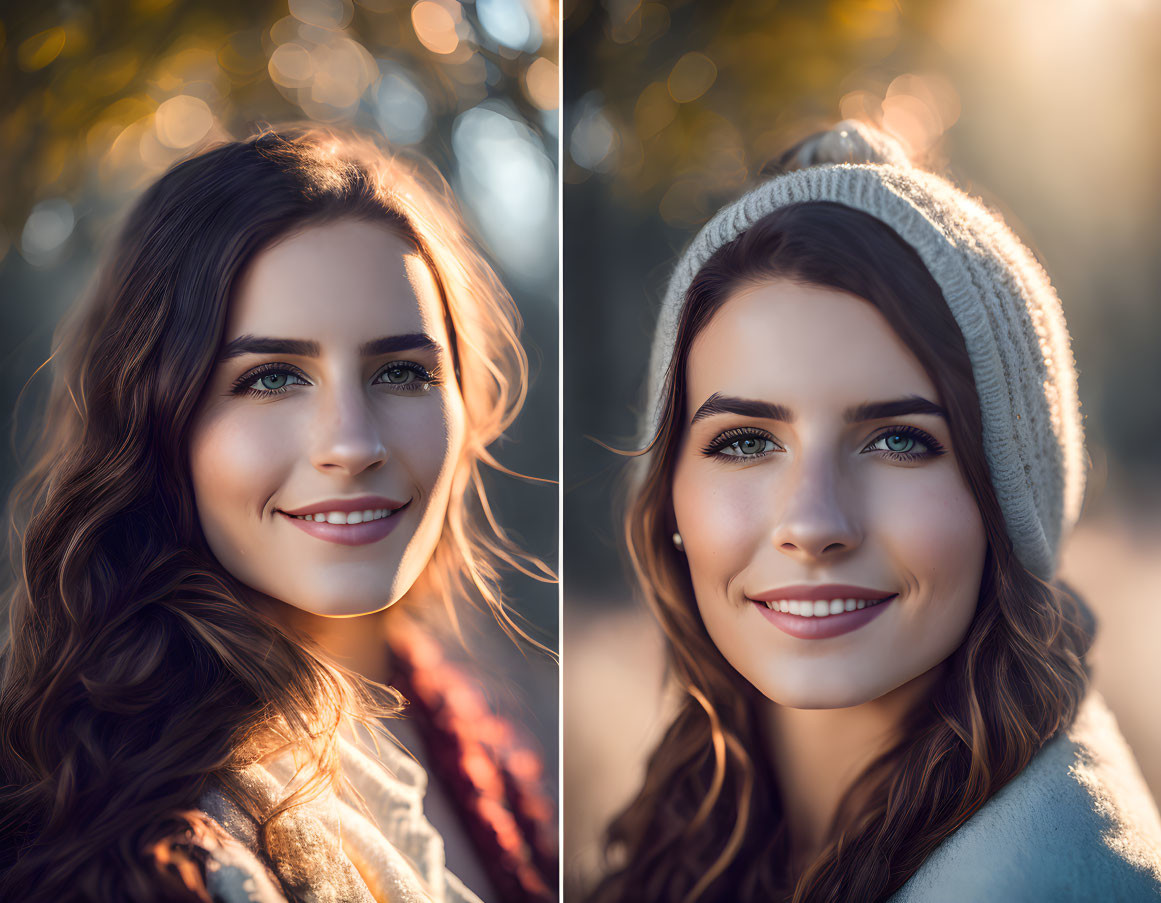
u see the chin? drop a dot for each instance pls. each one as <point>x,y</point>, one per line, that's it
<point>809,690</point>
<point>343,608</point>
<point>338,601</point>
<point>821,700</point>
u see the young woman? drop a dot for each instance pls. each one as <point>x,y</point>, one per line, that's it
<point>864,451</point>
<point>270,416</point>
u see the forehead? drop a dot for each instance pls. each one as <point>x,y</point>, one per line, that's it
<point>802,345</point>
<point>338,282</point>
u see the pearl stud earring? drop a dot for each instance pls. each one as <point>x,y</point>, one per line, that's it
<point>677,543</point>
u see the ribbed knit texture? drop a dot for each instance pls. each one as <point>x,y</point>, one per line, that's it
<point>1006,308</point>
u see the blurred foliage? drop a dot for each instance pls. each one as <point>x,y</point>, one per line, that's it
<point>681,104</point>
<point>96,98</point>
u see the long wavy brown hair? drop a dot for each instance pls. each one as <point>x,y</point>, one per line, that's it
<point>708,823</point>
<point>133,673</point>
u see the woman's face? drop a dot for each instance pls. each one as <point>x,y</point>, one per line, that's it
<point>815,467</point>
<point>324,449</point>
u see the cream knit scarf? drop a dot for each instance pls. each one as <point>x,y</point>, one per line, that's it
<point>327,851</point>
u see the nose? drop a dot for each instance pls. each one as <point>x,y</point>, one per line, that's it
<point>348,439</point>
<point>817,521</point>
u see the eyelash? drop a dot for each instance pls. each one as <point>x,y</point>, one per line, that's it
<point>244,385</point>
<point>729,437</point>
<point>934,449</point>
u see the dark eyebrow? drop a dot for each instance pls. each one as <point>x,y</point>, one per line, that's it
<point>871,410</point>
<point>880,410</point>
<point>408,342</point>
<point>728,404</point>
<point>249,344</point>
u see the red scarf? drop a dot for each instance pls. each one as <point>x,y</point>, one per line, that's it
<point>493,775</point>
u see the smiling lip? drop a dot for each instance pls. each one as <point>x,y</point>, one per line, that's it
<point>825,592</point>
<point>822,627</point>
<point>362,503</point>
<point>349,534</point>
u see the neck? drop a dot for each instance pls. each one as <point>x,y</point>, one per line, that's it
<point>357,643</point>
<point>817,754</point>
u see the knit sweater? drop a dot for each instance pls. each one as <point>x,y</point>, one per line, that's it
<point>1077,824</point>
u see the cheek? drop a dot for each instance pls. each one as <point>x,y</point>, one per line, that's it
<point>719,517</point>
<point>237,466</point>
<point>930,524</point>
<point>434,443</point>
<point>431,457</point>
<point>430,446</point>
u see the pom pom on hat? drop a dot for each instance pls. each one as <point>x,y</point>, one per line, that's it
<point>1009,314</point>
<point>850,141</point>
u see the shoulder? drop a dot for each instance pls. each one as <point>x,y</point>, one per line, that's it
<point>1078,823</point>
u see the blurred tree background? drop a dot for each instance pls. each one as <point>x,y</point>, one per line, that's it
<point>1047,110</point>
<point>98,98</point>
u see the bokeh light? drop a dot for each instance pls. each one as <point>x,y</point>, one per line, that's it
<point>435,25</point>
<point>509,23</point>
<point>41,49</point>
<point>46,230</point>
<point>182,121</point>
<point>400,106</point>
<point>542,83</point>
<point>510,184</point>
<point>691,77</point>
<point>114,107</point>
<point>594,139</point>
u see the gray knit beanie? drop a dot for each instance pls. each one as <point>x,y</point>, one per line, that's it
<point>1006,308</point>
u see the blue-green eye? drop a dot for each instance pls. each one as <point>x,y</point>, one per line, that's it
<point>405,375</point>
<point>270,379</point>
<point>748,447</point>
<point>905,443</point>
<point>741,443</point>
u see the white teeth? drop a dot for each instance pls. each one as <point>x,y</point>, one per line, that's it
<point>342,517</point>
<point>820,608</point>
